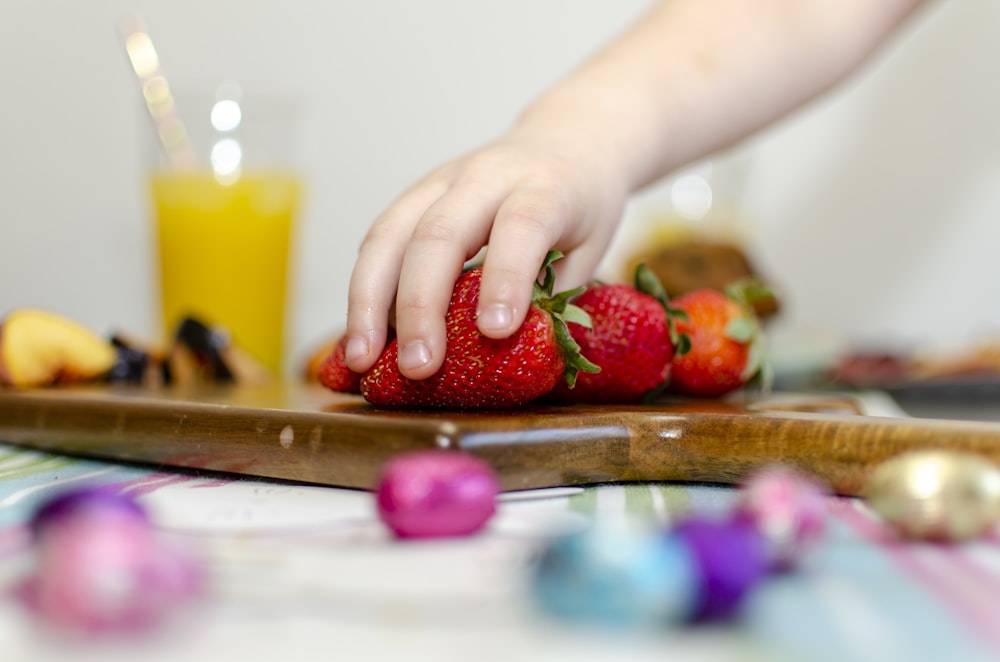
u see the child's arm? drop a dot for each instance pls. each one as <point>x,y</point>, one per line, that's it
<point>691,77</point>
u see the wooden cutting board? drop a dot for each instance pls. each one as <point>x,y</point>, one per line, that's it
<point>306,433</point>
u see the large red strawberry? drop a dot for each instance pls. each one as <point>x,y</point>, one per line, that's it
<point>632,338</point>
<point>486,373</point>
<point>726,350</point>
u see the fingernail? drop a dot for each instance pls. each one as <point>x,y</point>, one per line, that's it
<point>496,317</point>
<point>414,355</point>
<point>357,347</point>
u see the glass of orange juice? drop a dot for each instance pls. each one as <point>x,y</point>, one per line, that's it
<point>225,209</point>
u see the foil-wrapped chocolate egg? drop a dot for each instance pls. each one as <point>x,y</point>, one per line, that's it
<point>730,560</point>
<point>102,567</point>
<point>936,495</point>
<point>788,508</point>
<point>436,493</point>
<point>621,576</point>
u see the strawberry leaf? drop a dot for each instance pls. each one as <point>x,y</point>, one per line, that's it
<point>561,311</point>
<point>741,329</point>
<point>548,273</point>
<point>576,362</point>
<point>683,345</point>
<point>647,283</point>
<point>577,315</point>
<point>753,371</point>
<point>746,291</point>
<point>747,329</point>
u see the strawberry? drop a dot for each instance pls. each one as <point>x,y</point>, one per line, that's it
<point>334,373</point>
<point>726,350</point>
<point>486,373</point>
<point>632,338</point>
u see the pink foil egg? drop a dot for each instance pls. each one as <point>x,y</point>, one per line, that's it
<point>100,565</point>
<point>436,493</point>
<point>788,508</point>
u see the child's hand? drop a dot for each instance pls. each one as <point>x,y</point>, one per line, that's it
<point>521,197</point>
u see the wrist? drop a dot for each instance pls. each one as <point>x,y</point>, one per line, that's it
<point>586,135</point>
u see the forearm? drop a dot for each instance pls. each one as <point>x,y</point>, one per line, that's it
<point>694,76</point>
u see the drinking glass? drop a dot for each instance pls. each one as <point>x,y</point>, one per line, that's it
<point>226,193</point>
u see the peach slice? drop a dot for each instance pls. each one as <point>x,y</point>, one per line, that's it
<point>38,348</point>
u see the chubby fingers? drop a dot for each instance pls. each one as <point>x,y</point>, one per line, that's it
<point>527,225</point>
<point>372,289</point>
<point>415,252</point>
<point>451,231</point>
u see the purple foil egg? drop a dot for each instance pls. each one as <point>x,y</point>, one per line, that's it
<point>100,566</point>
<point>788,507</point>
<point>74,502</point>
<point>730,558</point>
<point>436,493</point>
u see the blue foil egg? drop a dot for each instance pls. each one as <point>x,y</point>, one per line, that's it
<point>618,577</point>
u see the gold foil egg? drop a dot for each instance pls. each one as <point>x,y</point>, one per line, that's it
<point>936,495</point>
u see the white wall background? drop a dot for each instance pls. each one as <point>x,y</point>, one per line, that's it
<point>875,210</point>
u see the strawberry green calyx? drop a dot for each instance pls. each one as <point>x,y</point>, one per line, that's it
<point>746,291</point>
<point>561,311</point>
<point>647,283</point>
<point>747,329</point>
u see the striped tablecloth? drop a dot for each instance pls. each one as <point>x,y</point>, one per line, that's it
<point>304,572</point>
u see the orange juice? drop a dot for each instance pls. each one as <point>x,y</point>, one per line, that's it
<point>224,254</point>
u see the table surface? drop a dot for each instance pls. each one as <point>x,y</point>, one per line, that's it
<point>306,572</point>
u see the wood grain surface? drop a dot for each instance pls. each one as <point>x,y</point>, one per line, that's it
<point>305,433</point>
